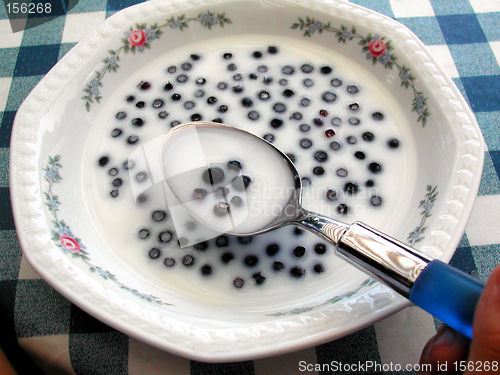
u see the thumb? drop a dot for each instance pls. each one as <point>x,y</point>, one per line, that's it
<point>485,346</point>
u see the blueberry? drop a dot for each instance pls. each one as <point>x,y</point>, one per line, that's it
<point>222,86</point>
<point>299,251</point>
<point>378,116</point>
<point>307,68</point>
<point>188,260</point>
<point>186,66</point>
<point>393,143</point>
<point>159,215</point>
<point>253,115</point>
<point>273,50</point>
<point>217,120</point>
<point>175,123</point>
<point>337,121</point>
<point>305,143</point>
<point>168,86</point>
<point>238,283</point>
<point>223,108</point>
<point>264,95</point>
<point>221,192</point>
<point>304,128</point>
<point>318,268</point>
<point>329,96</point>
<point>305,101</point>
<point>318,171</point>
<point>163,115</point>
<point>321,156</point>
<point>329,133</point>
<point>376,200</point>
<point>141,176</point>
<point>283,82</point>
<point>199,93</point>
<point>288,93</point>
<point>113,171</point>
<point>137,122</point>
<point>308,82</point>
<point>259,278</point>
<point>246,102</point>
<point>253,76</point>
<point>199,193</point>
<point>262,69</point>
<point>172,69</point>
<point>232,67</point>
<point>245,239</point>
<point>130,98</point>
<point>354,106</point>
<point>234,164</point>
<point>331,194</point>
<point>212,100</point>
<point>279,107</point>
<point>227,55</point>
<point>359,155</point>
<point>201,246</point>
<point>367,136</point>
<point>291,157</point>
<point>116,132</point>
<point>143,234</point>
<point>227,257</point>
<point>158,103</point>
<point>154,253</point>
<point>323,112</point>
<point>117,182</point>
<point>278,266</point>
<point>129,164</point>
<point>257,54</point>
<point>121,115</point>
<point>342,172</point>
<point>222,241</point>
<point>352,89</point>
<point>297,272</point>
<point>176,97</point>
<point>221,208</point>
<point>165,236</point>
<point>296,116</point>
<point>133,139</point>
<point>276,122</point>
<point>342,209</point>
<point>351,140</point>
<point>375,167</point>
<point>335,145</point>
<point>297,231</point>
<point>251,260</point>
<point>236,200</point>
<point>354,121</point>
<point>350,187</point>
<point>103,161</point>
<point>336,82</point>
<point>196,117</point>
<point>195,57</point>
<point>238,77</point>
<point>145,85</point>
<point>241,182</point>
<point>189,104</point>
<point>182,78</point>
<point>318,121</point>
<point>272,249</point>
<point>237,89</point>
<point>269,138</point>
<point>140,104</point>
<point>325,69</point>
<point>206,270</point>
<point>320,248</point>
<point>201,81</point>
<point>370,183</point>
<point>213,175</point>
<point>169,262</point>
<point>288,70</point>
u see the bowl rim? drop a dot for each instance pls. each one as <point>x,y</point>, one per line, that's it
<point>128,317</point>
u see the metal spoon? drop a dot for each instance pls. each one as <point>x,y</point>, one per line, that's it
<point>443,291</point>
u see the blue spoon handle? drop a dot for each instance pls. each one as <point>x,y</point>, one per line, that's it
<point>449,294</point>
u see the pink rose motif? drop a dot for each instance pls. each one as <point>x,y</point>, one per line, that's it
<point>70,244</point>
<point>137,38</point>
<point>376,47</point>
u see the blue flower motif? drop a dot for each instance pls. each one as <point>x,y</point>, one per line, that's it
<point>94,84</point>
<point>53,204</point>
<point>205,18</point>
<point>150,34</point>
<point>385,58</point>
<point>112,62</point>
<point>50,175</point>
<point>175,24</point>
<point>376,37</point>
<point>65,231</point>
<point>312,28</point>
<point>102,273</point>
<point>427,205</point>
<point>345,34</point>
<point>404,75</point>
<point>414,236</point>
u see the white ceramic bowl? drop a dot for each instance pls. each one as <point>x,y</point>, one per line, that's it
<point>83,242</point>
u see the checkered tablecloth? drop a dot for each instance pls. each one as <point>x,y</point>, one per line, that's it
<point>42,332</point>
